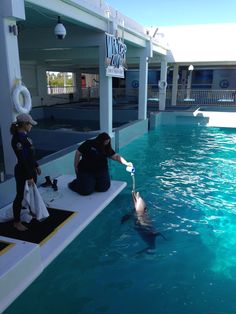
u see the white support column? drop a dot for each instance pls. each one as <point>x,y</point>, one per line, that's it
<point>175,85</point>
<point>189,83</point>
<point>163,78</point>
<point>42,85</point>
<point>143,81</point>
<point>78,84</point>
<point>105,90</point>
<point>10,71</point>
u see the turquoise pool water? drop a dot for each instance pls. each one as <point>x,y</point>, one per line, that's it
<point>186,175</point>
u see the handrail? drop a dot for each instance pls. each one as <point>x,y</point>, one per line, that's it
<point>207,97</point>
<point>57,90</point>
<point>130,95</point>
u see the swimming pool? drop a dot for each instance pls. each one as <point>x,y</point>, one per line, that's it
<point>186,175</point>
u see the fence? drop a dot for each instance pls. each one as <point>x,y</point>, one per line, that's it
<point>207,97</point>
<point>56,90</point>
<point>130,95</point>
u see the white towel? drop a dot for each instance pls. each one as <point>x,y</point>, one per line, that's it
<point>6,214</point>
<point>34,201</point>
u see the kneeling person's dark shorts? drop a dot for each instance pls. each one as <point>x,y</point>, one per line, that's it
<point>88,182</point>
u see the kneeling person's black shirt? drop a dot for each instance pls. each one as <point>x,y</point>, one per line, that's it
<point>93,159</point>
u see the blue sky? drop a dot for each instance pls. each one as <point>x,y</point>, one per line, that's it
<point>177,12</point>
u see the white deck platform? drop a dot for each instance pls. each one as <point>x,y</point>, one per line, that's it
<point>24,261</point>
<point>87,207</point>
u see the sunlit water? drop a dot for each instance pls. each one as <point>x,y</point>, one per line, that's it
<point>186,175</point>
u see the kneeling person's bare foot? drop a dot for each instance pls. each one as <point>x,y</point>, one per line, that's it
<point>19,226</point>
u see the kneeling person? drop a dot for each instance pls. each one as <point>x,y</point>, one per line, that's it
<point>91,165</point>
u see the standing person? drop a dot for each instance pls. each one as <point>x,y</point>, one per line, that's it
<point>91,165</point>
<point>26,168</point>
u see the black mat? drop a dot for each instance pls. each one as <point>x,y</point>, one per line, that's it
<point>37,231</point>
<point>4,245</point>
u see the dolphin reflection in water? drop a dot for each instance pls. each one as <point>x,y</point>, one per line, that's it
<point>143,224</point>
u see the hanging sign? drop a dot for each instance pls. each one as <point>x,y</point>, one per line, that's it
<point>115,56</point>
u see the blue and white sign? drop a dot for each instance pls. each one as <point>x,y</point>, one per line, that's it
<point>224,84</point>
<point>135,84</point>
<point>115,56</point>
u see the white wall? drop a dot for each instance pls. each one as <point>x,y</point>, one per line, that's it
<point>224,78</point>
<point>35,81</point>
<point>201,43</point>
<point>29,74</point>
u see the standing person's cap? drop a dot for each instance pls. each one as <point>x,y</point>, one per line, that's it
<point>24,117</point>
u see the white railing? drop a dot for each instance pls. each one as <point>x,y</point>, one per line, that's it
<point>207,97</point>
<point>201,97</point>
<point>57,90</point>
<point>130,95</point>
<point>196,96</point>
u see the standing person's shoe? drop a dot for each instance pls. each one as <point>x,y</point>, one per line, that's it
<point>47,183</point>
<point>54,185</point>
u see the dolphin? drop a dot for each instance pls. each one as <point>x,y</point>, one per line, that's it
<point>143,224</point>
<point>139,204</point>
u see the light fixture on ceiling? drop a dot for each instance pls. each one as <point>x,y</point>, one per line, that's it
<point>191,67</point>
<point>60,30</point>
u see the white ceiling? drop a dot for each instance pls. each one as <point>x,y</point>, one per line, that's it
<point>37,42</point>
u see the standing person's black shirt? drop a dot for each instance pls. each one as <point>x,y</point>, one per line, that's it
<point>25,153</point>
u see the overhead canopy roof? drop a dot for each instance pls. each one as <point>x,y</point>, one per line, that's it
<point>85,27</point>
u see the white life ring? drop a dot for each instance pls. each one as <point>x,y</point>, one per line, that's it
<point>162,84</point>
<point>27,104</point>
